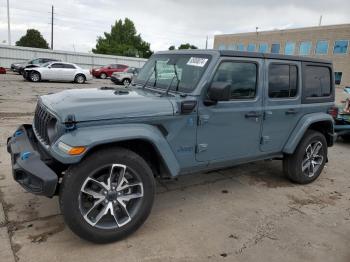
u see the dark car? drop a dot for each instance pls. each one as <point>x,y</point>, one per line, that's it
<point>35,63</point>
<point>16,66</point>
<point>108,70</point>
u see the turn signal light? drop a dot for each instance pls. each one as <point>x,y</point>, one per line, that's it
<point>76,150</point>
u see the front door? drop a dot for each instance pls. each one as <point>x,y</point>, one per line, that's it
<point>231,129</point>
<point>282,106</point>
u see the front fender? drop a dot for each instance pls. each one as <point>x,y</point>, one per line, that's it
<point>99,135</point>
<point>304,123</point>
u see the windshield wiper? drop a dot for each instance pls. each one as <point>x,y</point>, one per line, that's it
<point>149,77</point>
<point>171,82</point>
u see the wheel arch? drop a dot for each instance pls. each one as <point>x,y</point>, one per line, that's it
<point>146,140</point>
<point>320,122</point>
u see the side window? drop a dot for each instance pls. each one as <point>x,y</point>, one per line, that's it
<point>57,65</point>
<point>241,75</point>
<point>68,66</point>
<point>317,81</point>
<point>283,80</point>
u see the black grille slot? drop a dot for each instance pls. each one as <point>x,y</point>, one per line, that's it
<point>42,118</point>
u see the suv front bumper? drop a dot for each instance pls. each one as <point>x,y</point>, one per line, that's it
<point>27,167</point>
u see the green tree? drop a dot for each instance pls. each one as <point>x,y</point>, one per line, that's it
<point>122,40</point>
<point>172,47</point>
<point>33,38</point>
<point>187,46</point>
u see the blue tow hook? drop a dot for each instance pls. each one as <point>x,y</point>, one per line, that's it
<point>18,133</point>
<point>25,155</point>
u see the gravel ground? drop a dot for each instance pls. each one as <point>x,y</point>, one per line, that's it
<point>246,213</point>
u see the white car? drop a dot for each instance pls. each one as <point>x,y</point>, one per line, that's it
<point>58,71</point>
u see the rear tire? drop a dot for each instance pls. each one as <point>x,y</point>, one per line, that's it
<point>308,159</point>
<point>35,76</point>
<point>103,76</point>
<point>126,82</point>
<point>85,198</point>
<point>80,79</point>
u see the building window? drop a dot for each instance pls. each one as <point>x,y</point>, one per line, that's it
<point>305,48</point>
<point>251,48</point>
<point>283,80</point>
<point>242,76</point>
<point>289,48</point>
<point>231,47</point>
<point>240,47</point>
<point>321,47</point>
<point>340,47</point>
<point>317,81</point>
<point>263,47</point>
<point>337,77</point>
<point>222,47</point>
<point>275,48</point>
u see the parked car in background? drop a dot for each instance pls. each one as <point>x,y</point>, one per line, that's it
<point>342,118</point>
<point>125,77</point>
<point>107,71</point>
<point>58,71</point>
<point>2,70</point>
<point>37,62</point>
<point>16,66</point>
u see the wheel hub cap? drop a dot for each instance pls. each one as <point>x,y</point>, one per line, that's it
<point>312,159</point>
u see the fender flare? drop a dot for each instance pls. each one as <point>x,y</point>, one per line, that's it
<point>91,137</point>
<point>303,125</point>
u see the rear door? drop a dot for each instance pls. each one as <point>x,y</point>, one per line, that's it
<point>282,103</point>
<point>68,72</point>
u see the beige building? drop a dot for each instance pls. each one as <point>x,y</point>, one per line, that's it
<point>327,42</point>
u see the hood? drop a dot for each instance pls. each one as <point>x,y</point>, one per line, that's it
<point>102,104</point>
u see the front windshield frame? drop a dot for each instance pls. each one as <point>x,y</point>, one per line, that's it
<point>46,64</point>
<point>195,64</point>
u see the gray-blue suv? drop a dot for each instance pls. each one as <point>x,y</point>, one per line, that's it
<point>186,112</point>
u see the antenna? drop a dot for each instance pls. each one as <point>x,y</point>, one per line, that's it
<point>8,23</point>
<point>320,21</point>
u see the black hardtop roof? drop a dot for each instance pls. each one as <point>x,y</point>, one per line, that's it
<point>229,53</point>
<point>272,56</point>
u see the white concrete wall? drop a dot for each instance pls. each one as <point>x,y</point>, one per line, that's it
<point>12,54</point>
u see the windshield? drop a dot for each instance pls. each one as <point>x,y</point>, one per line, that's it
<point>160,71</point>
<point>46,64</point>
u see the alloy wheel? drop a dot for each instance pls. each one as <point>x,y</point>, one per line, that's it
<point>312,160</point>
<point>111,196</point>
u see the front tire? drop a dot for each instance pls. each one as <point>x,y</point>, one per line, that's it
<point>308,159</point>
<point>103,76</point>
<point>35,76</point>
<point>108,195</point>
<point>126,82</point>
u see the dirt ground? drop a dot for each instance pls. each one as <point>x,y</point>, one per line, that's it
<point>247,213</point>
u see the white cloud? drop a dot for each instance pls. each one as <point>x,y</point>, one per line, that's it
<point>164,22</point>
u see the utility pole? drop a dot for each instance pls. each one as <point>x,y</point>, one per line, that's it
<point>51,28</point>
<point>320,21</point>
<point>8,23</point>
<point>206,43</point>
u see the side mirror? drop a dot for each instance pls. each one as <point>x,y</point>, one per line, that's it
<point>49,67</point>
<point>219,91</point>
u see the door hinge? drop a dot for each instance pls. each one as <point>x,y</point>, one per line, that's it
<point>203,119</point>
<point>201,148</point>
<point>265,140</point>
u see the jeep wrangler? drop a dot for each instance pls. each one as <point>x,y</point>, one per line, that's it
<point>186,112</point>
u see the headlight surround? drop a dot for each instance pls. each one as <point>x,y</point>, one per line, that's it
<point>70,150</point>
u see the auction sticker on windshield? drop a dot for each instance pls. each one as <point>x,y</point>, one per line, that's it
<point>197,61</point>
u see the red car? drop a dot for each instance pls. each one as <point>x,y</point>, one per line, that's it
<point>2,70</point>
<point>107,71</point>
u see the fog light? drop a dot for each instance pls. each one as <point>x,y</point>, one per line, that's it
<point>77,150</point>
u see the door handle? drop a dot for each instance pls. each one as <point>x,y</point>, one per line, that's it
<point>252,115</point>
<point>291,112</point>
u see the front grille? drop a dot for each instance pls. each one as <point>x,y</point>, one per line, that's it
<point>42,119</point>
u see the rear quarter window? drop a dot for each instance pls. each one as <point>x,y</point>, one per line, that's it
<point>317,84</point>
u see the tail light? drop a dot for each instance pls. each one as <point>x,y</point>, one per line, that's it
<point>333,111</point>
